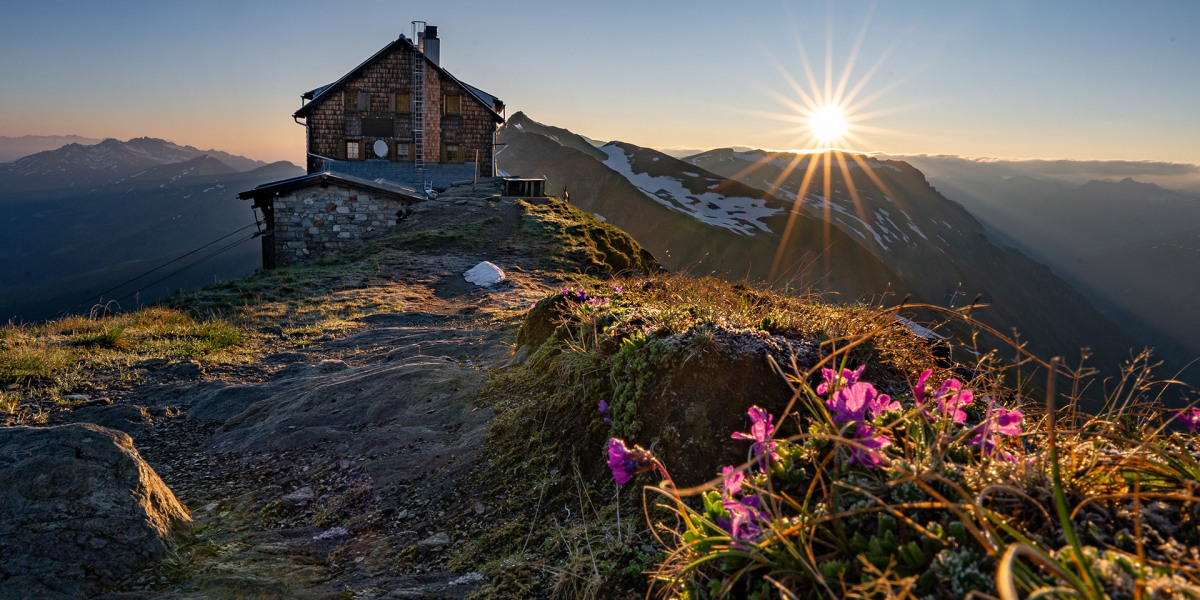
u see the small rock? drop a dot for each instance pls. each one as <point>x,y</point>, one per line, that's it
<point>434,543</point>
<point>211,507</point>
<point>188,369</point>
<point>333,532</point>
<point>298,497</point>
<point>480,508</point>
<point>76,397</point>
<point>472,577</point>
<point>101,401</point>
<point>484,274</point>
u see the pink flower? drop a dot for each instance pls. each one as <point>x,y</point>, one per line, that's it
<point>733,481</point>
<point>851,403</point>
<point>1191,418</point>
<point>951,399</point>
<point>834,381</point>
<point>626,462</point>
<point>998,421</point>
<point>747,521</point>
<point>919,389</point>
<point>873,455</point>
<point>881,403</point>
<point>760,432</point>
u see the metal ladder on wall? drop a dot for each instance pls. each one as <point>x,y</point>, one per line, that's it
<point>417,102</point>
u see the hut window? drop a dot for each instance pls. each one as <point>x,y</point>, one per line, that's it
<point>351,98</point>
<point>453,154</point>
<point>453,105</point>
<point>352,151</point>
<point>402,152</point>
<point>402,103</point>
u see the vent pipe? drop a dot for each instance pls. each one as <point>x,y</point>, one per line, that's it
<point>431,46</point>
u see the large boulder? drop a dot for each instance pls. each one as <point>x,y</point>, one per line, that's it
<point>79,511</point>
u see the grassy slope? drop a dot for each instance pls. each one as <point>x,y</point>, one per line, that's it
<point>937,518</point>
<point>679,360</point>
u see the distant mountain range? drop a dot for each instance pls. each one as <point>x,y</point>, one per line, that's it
<point>12,148</point>
<point>1132,247</point>
<point>74,166</point>
<point>865,228</point>
<point>82,219</point>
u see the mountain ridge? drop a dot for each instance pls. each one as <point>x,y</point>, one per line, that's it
<point>78,165</point>
<point>928,247</point>
<point>12,148</point>
<point>116,210</point>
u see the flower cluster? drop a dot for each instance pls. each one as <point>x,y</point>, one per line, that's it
<point>747,521</point>
<point>741,513</point>
<point>854,401</point>
<point>582,297</point>
<point>948,401</point>
<point>858,407</point>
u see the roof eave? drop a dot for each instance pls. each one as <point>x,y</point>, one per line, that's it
<point>321,96</point>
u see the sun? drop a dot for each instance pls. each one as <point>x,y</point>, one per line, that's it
<point>827,124</point>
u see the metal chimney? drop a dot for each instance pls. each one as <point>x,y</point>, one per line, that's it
<point>432,46</point>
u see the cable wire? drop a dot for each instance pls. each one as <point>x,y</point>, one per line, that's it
<point>189,265</point>
<point>172,261</point>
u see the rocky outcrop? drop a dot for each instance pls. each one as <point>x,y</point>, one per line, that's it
<point>79,511</point>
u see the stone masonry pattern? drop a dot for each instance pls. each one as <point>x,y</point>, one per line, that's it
<point>314,222</point>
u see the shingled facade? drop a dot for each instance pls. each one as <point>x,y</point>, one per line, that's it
<point>379,139</point>
<point>363,124</point>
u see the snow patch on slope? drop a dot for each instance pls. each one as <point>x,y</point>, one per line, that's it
<point>739,215</point>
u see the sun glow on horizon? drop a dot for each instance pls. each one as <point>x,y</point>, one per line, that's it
<point>827,124</point>
<point>826,115</point>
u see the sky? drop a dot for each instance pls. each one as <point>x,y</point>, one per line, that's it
<point>1012,79</point>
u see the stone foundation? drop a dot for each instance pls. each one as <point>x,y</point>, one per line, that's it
<point>318,221</point>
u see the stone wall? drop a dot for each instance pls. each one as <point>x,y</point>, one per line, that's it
<point>321,220</point>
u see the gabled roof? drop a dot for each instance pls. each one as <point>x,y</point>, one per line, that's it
<point>324,93</point>
<point>329,177</point>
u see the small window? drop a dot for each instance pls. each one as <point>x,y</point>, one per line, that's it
<point>352,152</point>
<point>351,99</point>
<point>453,105</point>
<point>402,151</point>
<point>402,103</point>
<point>453,154</point>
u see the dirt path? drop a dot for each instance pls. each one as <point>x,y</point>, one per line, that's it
<point>334,471</point>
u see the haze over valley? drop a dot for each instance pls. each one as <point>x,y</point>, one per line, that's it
<point>92,224</point>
